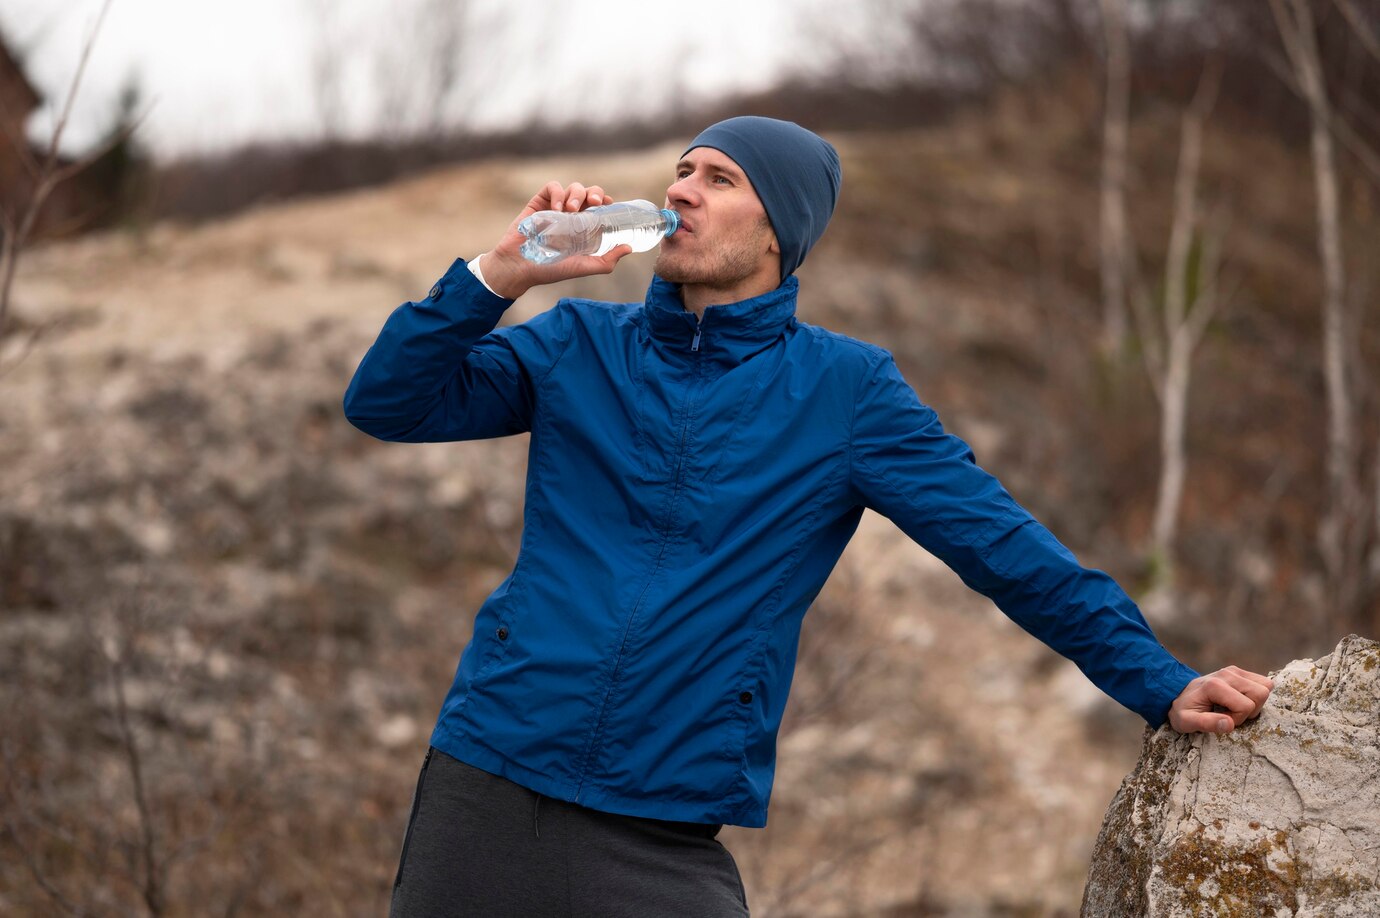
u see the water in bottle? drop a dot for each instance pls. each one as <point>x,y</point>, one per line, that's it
<point>553,235</point>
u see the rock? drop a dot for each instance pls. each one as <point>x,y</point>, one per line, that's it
<point>398,730</point>
<point>1280,817</point>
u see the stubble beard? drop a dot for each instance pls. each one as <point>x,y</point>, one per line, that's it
<point>723,267</point>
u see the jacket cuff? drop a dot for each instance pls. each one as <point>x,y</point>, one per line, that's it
<point>460,280</point>
<point>1172,684</point>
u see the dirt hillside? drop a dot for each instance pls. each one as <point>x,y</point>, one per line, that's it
<point>205,571</point>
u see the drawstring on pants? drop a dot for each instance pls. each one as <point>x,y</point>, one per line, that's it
<point>536,826</point>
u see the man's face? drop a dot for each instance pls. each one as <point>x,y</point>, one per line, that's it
<point>725,237</point>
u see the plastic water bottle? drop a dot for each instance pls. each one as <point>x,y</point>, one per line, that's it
<point>553,235</point>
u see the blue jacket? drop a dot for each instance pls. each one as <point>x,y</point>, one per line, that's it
<point>689,488</point>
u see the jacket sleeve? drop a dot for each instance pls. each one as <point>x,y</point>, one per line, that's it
<point>906,467</point>
<point>441,370</point>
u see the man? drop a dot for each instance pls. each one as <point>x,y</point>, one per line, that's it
<point>697,464</point>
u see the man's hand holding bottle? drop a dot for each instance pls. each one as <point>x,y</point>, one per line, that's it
<point>510,275</point>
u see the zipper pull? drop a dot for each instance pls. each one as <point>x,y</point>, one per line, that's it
<point>695,345</point>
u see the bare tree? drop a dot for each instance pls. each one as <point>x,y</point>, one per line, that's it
<point>448,21</point>
<point>1115,128</point>
<point>17,222</point>
<point>151,871</point>
<point>1190,300</point>
<point>417,68</point>
<point>1341,533</point>
<point>1365,32</point>
<point>327,68</point>
<point>102,845</point>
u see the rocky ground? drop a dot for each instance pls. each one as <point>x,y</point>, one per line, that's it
<point>228,618</point>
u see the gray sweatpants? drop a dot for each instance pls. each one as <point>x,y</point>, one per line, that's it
<point>480,845</point>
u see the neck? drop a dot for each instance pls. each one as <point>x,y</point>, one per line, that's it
<point>698,296</point>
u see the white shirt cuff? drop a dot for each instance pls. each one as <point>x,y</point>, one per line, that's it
<point>479,273</point>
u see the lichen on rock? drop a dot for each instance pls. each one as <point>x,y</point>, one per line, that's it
<point>1279,818</point>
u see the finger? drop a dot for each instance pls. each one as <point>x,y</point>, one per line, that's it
<point>1246,674</point>
<point>1186,721</point>
<point>1252,685</point>
<point>594,196</point>
<point>1259,694</point>
<point>1217,690</point>
<point>548,198</point>
<point>574,196</point>
<point>1257,678</point>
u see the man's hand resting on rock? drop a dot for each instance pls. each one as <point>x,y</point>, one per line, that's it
<point>1219,702</point>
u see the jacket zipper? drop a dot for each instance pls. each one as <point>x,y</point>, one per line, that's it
<point>596,736</point>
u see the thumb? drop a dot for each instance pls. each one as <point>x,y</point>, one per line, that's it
<point>614,255</point>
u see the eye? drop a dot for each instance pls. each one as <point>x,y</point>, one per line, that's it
<point>722,178</point>
<point>682,173</point>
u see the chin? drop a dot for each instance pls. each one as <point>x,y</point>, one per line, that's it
<point>669,270</point>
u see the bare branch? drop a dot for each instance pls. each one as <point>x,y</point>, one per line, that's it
<point>73,224</point>
<point>151,886</point>
<point>1288,32</point>
<point>823,869</point>
<point>446,45</point>
<point>1374,563</point>
<point>832,691</point>
<point>1186,314</point>
<point>1142,309</point>
<point>17,141</point>
<point>30,861</point>
<point>19,228</point>
<point>36,872</point>
<point>1207,301</point>
<point>1113,209</point>
<point>1360,27</point>
<point>66,113</point>
<point>34,336</point>
<point>1339,126</point>
<point>1186,198</point>
<point>1355,145</point>
<point>1219,297</point>
<point>327,63</point>
<point>63,174</point>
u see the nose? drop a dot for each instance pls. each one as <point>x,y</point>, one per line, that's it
<point>683,192</point>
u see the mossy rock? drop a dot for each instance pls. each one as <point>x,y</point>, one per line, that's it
<point>1279,818</point>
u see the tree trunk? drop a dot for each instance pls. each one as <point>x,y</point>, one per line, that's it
<point>1114,143</point>
<point>1173,457</point>
<point>1186,313</point>
<point>1339,531</point>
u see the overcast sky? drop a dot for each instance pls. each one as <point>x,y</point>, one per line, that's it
<point>218,73</point>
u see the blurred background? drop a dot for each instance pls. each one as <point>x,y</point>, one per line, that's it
<point>1127,249</point>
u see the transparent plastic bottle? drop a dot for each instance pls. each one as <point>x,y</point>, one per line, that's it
<point>553,235</point>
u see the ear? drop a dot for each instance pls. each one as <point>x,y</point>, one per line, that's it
<point>775,247</point>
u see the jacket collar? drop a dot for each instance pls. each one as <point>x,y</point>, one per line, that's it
<point>731,332</point>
